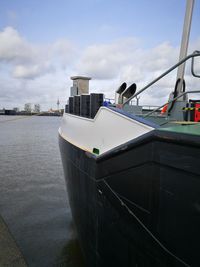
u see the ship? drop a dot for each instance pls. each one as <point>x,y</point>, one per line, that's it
<point>132,173</point>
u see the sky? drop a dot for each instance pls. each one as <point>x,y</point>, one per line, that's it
<point>44,43</point>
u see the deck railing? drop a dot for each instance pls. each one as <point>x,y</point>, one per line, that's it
<point>192,56</point>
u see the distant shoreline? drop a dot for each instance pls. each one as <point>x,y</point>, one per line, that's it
<point>34,114</point>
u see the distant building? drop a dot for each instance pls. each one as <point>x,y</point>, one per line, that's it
<point>2,111</point>
<point>16,109</point>
<point>10,112</point>
<point>37,108</point>
<point>28,107</point>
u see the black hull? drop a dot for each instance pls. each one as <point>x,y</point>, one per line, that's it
<point>139,204</point>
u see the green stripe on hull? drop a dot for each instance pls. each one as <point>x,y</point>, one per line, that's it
<point>193,129</point>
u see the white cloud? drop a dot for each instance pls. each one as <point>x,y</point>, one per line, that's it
<point>124,61</point>
<point>103,61</point>
<point>33,71</point>
<point>40,73</point>
<point>29,60</point>
<point>13,48</point>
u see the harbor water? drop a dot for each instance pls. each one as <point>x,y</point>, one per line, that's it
<point>33,196</point>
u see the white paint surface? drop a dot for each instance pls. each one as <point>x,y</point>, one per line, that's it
<point>107,130</point>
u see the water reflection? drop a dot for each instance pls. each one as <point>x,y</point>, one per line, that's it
<point>71,254</point>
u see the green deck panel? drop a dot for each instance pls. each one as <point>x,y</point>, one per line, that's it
<point>193,129</point>
<point>10,254</point>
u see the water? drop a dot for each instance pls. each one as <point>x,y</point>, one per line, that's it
<point>33,197</point>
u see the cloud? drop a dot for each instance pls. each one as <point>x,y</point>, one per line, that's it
<point>40,73</point>
<point>13,48</point>
<point>45,90</point>
<point>125,60</point>
<point>29,61</point>
<point>33,71</point>
<point>104,60</point>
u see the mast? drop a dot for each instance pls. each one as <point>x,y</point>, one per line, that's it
<point>184,43</point>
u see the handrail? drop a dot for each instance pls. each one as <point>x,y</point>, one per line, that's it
<point>169,102</point>
<point>195,54</point>
<point>192,66</point>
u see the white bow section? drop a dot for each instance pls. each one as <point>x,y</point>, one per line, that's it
<point>107,130</point>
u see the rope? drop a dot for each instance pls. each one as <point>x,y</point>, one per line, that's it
<point>145,228</point>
